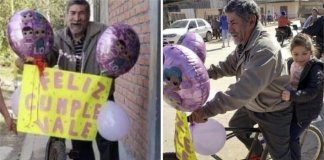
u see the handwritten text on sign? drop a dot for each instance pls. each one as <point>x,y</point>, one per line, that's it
<point>61,103</point>
<point>182,140</point>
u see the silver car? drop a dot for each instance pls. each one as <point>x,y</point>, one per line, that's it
<point>180,27</point>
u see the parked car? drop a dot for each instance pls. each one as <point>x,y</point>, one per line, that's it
<point>180,27</point>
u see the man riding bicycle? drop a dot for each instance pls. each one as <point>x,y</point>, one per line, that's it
<point>284,23</point>
<point>261,76</point>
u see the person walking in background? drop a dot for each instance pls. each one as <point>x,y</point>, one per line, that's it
<point>263,19</point>
<point>306,94</point>
<point>275,16</point>
<point>312,18</point>
<point>224,26</point>
<point>216,29</point>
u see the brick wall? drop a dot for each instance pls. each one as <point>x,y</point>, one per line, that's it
<point>131,90</point>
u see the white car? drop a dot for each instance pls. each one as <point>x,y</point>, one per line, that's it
<point>180,27</point>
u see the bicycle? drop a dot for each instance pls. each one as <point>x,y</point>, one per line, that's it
<point>309,150</point>
<point>56,150</point>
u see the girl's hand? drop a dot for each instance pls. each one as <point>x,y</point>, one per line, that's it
<point>11,124</point>
<point>285,95</point>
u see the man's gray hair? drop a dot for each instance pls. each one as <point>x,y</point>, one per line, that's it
<point>243,8</point>
<point>78,2</point>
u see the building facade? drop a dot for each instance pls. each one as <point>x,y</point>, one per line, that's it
<point>138,91</point>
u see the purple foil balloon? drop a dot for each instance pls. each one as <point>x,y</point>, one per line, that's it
<point>194,42</point>
<point>29,34</point>
<point>117,49</point>
<point>185,78</point>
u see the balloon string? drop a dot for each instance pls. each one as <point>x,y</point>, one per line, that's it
<point>31,102</point>
<point>58,59</point>
<point>82,63</point>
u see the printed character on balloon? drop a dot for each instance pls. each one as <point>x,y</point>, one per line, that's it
<point>27,18</point>
<point>40,42</point>
<point>123,58</point>
<point>28,33</point>
<point>172,77</point>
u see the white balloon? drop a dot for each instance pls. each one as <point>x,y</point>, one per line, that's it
<point>208,138</point>
<point>15,100</point>
<point>113,122</point>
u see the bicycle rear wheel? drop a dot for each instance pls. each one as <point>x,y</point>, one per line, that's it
<point>55,149</point>
<point>311,144</point>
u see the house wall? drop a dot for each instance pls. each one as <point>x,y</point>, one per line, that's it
<point>275,8</point>
<point>133,90</point>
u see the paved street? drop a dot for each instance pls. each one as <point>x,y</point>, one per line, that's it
<point>233,149</point>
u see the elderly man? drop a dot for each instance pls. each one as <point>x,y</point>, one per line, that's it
<point>79,40</point>
<point>261,77</point>
<point>74,50</point>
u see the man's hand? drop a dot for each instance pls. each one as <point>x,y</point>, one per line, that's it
<point>285,95</point>
<point>21,61</point>
<point>198,116</point>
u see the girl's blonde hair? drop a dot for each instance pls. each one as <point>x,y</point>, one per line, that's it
<point>304,40</point>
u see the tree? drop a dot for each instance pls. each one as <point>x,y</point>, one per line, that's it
<point>53,10</point>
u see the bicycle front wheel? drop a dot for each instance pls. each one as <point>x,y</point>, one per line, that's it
<point>311,144</point>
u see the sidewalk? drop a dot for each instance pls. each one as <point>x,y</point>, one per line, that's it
<point>10,144</point>
<point>34,147</point>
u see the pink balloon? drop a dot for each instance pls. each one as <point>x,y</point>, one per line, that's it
<point>117,50</point>
<point>113,123</point>
<point>185,79</point>
<point>29,34</point>
<point>208,138</point>
<point>15,100</point>
<point>195,42</point>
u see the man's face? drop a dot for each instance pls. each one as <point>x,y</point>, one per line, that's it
<point>77,18</point>
<point>239,29</point>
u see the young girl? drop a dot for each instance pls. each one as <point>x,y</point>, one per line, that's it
<point>3,109</point>
<point>306,96</point>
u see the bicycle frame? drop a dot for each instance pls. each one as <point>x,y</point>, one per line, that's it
<point>234,130</point>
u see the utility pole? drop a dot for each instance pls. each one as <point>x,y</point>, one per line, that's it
<point>299,9</point>
<point>265,12</point>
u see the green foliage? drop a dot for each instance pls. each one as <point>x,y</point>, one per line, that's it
<point>53,10</point>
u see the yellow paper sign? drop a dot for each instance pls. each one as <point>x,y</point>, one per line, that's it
<point>61,103</point>
<point>182,140</point>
